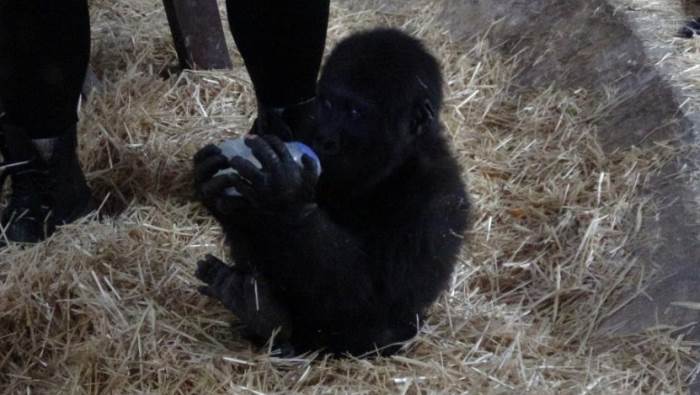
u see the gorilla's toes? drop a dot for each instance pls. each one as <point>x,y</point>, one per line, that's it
<point>210,269</point>
<point>685,32</point>
<point>284,350</point>
<point>691,29</point>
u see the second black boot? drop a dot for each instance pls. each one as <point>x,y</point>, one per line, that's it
<point>48,187</point>
<point>296,122</point>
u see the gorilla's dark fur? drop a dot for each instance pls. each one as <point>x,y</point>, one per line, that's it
<point>351,261</point>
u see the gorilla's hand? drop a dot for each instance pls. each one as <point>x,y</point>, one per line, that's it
<point>281,183</point>
<point>211,191</point>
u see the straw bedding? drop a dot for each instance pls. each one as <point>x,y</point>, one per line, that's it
<point>109,304</point>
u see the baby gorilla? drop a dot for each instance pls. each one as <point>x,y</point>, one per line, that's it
<point>347,262</point>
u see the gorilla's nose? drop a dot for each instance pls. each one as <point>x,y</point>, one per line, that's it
<point>326,145</point>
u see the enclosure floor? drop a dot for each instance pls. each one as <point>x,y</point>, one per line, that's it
<point>110,304</point>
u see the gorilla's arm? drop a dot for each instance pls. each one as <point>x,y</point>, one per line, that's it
<point>285,235</point>
<point>308,255</point>
<point>420,259</point>
<point>331,271</point>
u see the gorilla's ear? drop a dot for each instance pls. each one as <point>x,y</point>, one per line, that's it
<point>422,118</point>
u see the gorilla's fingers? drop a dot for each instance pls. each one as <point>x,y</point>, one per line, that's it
<point>247,170</point>
<point>246,190</point>
<point>208,167</point>
<point>310,173</point>
<point>214,260</point>
<point>263,152</point>
<point>232,205</point>
<point>206,271</point>
<point>211,268</point>
<point>206,151</point>
<point>279,148</point>
<point>216,186</point>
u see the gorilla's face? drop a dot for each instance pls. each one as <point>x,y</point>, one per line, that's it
<point>378,94</point>
<point>358,141</point>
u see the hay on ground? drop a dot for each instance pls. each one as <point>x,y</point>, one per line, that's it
<point>110,305</point>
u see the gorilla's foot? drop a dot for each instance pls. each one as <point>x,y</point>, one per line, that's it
<point>251,299</point>
<point>213,272</point>
<point>48,186</point>
<point>691,29</point>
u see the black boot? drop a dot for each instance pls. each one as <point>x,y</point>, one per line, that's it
<point>292,123</point>
<point>48,186</point>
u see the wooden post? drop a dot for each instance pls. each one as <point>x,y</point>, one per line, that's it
<point>198,34</point>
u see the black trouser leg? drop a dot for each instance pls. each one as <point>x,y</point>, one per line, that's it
<point>282,45</point>
<point>44,53</point>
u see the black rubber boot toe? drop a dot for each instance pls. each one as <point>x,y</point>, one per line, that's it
<point>292,123</point>
<point>48,188</point>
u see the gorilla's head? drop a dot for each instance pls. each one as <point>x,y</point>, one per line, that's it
<point>379,97</point>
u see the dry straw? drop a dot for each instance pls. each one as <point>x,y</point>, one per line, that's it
<point>109,305</point>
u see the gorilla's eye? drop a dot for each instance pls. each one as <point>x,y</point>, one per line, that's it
<point>355,113</point>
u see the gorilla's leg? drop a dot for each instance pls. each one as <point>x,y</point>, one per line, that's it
<point>44,47</point>
<point>282,44</point>
<point>249,297</point>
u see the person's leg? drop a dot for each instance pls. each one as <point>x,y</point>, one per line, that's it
<point>45,46</point>
<point>44,51</point>
<point>282,45</point>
